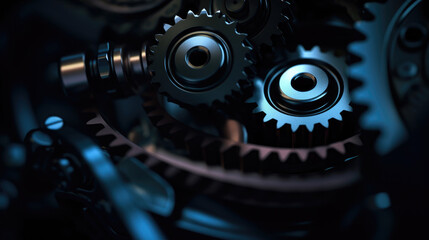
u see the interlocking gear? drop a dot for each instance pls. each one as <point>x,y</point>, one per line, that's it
<point>228,183</point>
<point>391,70</point>
<point>200,59</point>
<point>302,100</point>
<point>230,154</point>
<point>261,20</point>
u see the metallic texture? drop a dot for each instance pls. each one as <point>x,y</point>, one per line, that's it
<point>301,95</point>
<point>260,19</point>
<point>230,154</point>
<point>73,74</point>
<point>256,189</point>
<point>200,59</point>
<point>383,113</point>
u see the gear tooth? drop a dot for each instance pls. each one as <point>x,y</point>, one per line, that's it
<point>294,127</point>
<point>158,37</point>
<point>356,48</point>
<point>284,154</point>
<point>284,18</point>
<point>300,49</point>
<point>324,123</point>
<point>115,143</point>
<point>310,127</point>
<point>339,147</point>
<point>302,154</point>
<point>203,12</point>
<point>153,49</point>
<point>104,132</point>
<point>267,118</point>
<point>322,152</point>
<point>279,124</point>
<point>93,121</point>
<point>177,19</point>
<point>166,27</point>
<point>375,8</point>
<point>316,50</point>
<point>191,14</point>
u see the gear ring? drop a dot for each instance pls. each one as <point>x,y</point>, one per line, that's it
<point>387,111</point>
<point>200,59</point>
<point>303,100</point>
<point>246,157</point>
<point>254,189</point>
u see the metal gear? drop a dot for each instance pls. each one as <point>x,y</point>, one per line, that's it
<point>302,101</point>
<point>230,154</point>
<point>391,70</point>
<point>200,59</point>
<point>138,18</point>
<point>260,19</point>
<point>309,189</point>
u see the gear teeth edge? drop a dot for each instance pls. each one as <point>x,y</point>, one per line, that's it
<point>166,27</point>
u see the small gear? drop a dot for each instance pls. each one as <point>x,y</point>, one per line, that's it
<point>261,20</point>
<point>391,70</point>
<point>200,59</point>
<point>303,100</point>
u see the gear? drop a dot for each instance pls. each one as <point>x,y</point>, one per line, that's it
<point>136,18</point>
<point>303,100</point>
<point>254,189</point>
<point>261,20</point>
<point>391,69</point>
<point>231,154</point>
<point>200,59</point>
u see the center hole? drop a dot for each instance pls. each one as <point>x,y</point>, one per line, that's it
<point>414,34</point>
<point>198,57</point>
<point>304,82</point>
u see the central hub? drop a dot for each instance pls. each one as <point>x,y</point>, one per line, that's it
<point>197,57</point>
<point>199,61</point>
<point>304,82</point>
<point>303,89</point>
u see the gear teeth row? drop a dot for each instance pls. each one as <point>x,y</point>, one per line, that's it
<point>246,157</point>
<point>264,195</point>
<point>379,115</point>
<point>283,130</point>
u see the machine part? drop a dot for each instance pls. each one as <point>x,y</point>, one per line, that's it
<point>261,20</point>
<point>200,59</point>
<point>302,100</point>
<point>227,183</point>
<point>230,154</point>
<point>391,70</point>
<point>116,71</point>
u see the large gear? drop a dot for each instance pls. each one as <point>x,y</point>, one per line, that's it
<point>255,189</point>
<point>304,94</point>
<point>200,59</point>
<point>391,69</point>
<point>261,20</point>
<point>230,154</point>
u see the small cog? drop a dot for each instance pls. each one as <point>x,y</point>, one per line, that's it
<point>303,100</point>
<point>200,60</point>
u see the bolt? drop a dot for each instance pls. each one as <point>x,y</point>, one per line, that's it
<point>54,123</point>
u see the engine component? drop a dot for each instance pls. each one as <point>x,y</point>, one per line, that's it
<point>261,20</point>
<point>396,76</point>
<point>302,100</point>
<point>200,59</point>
